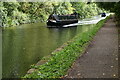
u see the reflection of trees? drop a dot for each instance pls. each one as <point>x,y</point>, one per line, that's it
<point>26,45</point>
<point>11,50</point>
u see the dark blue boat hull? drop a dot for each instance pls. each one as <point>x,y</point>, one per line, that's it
<point>59,23</point>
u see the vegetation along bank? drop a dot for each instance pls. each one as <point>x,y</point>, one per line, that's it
<point>61,61</point>
<point>16,13</point>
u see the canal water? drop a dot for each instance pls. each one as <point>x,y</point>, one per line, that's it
<point>26,44</point>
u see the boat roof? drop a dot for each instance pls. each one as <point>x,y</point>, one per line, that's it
<point>55,16</point>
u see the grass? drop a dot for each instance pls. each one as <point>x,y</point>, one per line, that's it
<point>61,61</point>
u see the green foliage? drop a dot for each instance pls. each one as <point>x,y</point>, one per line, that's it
<point>86,10</point>
<point>3,15</point>
<point>15,13</point>
<point>117,10</point>
<point>61,61</point>
<point>10,7</point>
<point>106,5</point>
<point>63,8</point>
<point>111,6</point>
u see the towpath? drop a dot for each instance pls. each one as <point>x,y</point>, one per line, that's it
<point>101,58</point>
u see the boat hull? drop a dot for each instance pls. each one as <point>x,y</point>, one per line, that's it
<point>60,23</point>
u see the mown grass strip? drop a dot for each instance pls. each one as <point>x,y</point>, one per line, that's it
<point>62,60</point>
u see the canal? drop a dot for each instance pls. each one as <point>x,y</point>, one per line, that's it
<point>26,44</point>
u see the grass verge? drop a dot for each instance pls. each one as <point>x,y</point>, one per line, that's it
<point>61,61</point>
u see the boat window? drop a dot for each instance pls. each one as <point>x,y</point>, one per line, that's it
<point>64,17</point>
<point>52,17</point>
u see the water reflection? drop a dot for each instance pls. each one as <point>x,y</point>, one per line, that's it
<point>26,44</point>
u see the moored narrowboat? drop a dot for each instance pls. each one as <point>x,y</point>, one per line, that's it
<point>103,14</point>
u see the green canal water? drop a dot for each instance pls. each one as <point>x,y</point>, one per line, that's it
<point>25,45</point>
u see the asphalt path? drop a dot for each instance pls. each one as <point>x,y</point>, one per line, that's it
<point>101,57</point>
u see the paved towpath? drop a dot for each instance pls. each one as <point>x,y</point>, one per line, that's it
<point>101,58</point>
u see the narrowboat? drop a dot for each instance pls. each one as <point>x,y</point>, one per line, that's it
<point>59,20</point>
<point>103,14</point>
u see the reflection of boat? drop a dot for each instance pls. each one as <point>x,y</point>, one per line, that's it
<point>58,20</point>
<point>103,14</point>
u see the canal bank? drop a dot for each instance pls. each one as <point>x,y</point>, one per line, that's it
<point>101,57</point>
<point>60,61</point>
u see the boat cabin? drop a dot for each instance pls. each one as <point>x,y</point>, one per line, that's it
<point>61,19</point>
